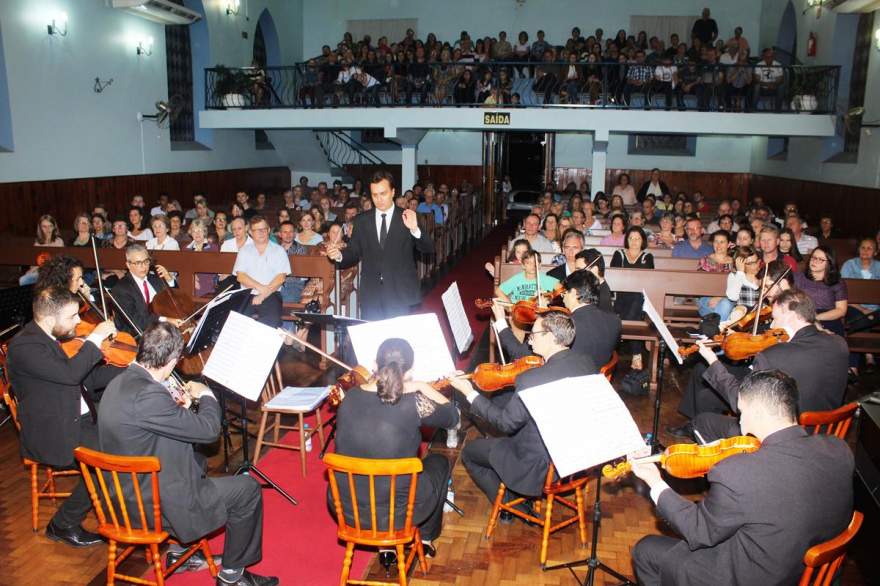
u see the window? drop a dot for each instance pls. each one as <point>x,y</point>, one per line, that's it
<point>180,81</point>
<point>676,145</point>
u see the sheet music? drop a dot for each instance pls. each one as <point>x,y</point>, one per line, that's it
<point>300,398</point>
<point>458,320</point>
<point>243,355</point>
<point>219,299</point>
<point>655,318</point>
<point>583,422</point>
<point>422,331</point>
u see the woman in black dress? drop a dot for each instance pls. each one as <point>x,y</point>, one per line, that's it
<point>629,305</point>
<point>383,419</point>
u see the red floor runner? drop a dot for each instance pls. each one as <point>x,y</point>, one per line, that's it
<point>299,542</point>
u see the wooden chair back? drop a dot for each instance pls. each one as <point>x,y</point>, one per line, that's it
<point>607,369</point>
<point>10,402</point>
<point>835,422</point>
<point>350,468</point>
<point>273,384</point>
<point>823,560</point>
<point>114,505</point>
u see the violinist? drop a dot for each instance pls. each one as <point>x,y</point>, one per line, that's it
<point>520,460</point>
<point>64,272</point>
<point>763,510</point>
<point>592,260</point>
<point>56,398</point>
<point>699,396</point>
<point>137,288</point>
<point>382,419</point>
<point>597,331</point>
<point>816,360</point>
<point>140,417</point>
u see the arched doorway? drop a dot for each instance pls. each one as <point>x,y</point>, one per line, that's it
<point>786,37</point>
<point>266,53</point>
<point>187,50</point>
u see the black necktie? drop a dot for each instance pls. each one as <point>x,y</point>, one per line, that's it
<point>383,232</point>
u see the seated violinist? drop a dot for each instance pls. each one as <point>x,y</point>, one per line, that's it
<point>816,360</point>
<point>597,331</point>
<point>56,398</point>
<point>763,510</point>
<point>63,272</point>
<point>592,259</point>
<point>382,419</point>
<point>520,460</point>
<point>134,292</point>
<point>523,286</point>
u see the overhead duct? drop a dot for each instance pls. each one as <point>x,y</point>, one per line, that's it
<point>161,11</point>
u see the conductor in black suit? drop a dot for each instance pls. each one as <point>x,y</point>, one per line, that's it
<point>597,331</point>
<point>56,399</point>
<point>383,240</point>
<point>521,460</point>
<point>763,510</point>
<point>139,417</point>
<point>137,289</point>
<point>816,360</point>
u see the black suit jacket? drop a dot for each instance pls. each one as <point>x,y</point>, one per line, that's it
<point>521,460</point>
<point>389,271</point>
<point>605,301</point>
<point>47,385</point>
<point>558,273</point>
<point>762,512</point>
<point>138,417</point>
<point>817,361</point>
<point>597,333</point>
<point>131,299</point>
<point>643,190</point>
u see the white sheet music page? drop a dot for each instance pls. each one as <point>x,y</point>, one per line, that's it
<point>422,331</point>
<point>458,319</point>
<point>218,300</point>
<point>655,318</point>
<point>243,355</point>
<point>583,422</point>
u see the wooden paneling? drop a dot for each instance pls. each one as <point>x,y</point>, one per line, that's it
<point>452,175</point>
<point>714,186</point>
<point>22,203</point>
<point>853,209</point>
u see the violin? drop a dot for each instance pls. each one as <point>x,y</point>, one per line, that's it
<point>491,377</point>
<point>120,350</point>
<point>355,377</point>
<point>748,318</point>
<point>741,345</point>
<point>523,313</point>
<point>689,460</point>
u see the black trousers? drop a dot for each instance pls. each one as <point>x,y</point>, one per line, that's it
<point>649,556</point>
<point>476,459</point>
<point>243,499</point>
<point>75,507</point>
<point>383,307</point>
<point>699,397</point>
<point>713,426</point>
<point>268,312</point>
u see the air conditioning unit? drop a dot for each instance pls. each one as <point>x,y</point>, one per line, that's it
<point>161,11</point>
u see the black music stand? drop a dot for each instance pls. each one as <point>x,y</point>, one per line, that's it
<point>15,306</point>
<point>209,325</point>
<point>656,446</point>
<point>593,562</point>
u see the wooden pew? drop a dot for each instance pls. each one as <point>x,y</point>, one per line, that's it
<point>866,292</point>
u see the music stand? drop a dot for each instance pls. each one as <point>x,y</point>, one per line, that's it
<point>213,318</point>
<point>15,306</point>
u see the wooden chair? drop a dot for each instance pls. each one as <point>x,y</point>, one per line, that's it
<point>96,465</point>
<point>608,368</point>
<point>834,422</point>
<point>272,388</point>
<point>392,537</point>
<point>47,490</point>
<point>823,560</point>
<point>552,493</point>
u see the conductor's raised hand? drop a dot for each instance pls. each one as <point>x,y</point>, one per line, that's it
<point>410,220</point>
<point>333,252</point>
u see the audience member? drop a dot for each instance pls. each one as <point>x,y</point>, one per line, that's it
<point>694,246</point>
<point>821,281</point>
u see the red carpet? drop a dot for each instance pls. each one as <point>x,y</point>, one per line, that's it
<point>299,542</point>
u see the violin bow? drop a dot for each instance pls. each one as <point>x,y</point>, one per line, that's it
<point>125,315</point>
<point>202,308</point>
<point>315,349</point>
<point>100,280</point>
<point>760,303</point>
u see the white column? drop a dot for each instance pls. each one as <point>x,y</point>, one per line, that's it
<point>600,156</point>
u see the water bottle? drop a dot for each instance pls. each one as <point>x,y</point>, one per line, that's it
<point>307,429</point>
<point>450,496</point>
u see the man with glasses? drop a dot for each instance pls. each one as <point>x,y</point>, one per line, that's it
<point>520,460</point>
<point>137,288</point>
<point>262,266</point>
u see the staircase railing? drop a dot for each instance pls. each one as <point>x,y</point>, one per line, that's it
<point>342,150</point>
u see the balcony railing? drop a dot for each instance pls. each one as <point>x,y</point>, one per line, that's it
<point>748,87</point>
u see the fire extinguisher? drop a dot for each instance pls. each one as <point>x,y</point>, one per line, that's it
<point>811,45</point>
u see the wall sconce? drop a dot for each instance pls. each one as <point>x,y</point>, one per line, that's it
<point>877,39</point>
<point>232,7</point>
<point>145,46</point>
<point>58,26</point>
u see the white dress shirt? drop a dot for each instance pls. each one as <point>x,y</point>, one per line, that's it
<point>389,214</point>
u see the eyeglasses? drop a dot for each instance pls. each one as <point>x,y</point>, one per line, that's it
<point>818,259</point>
<point>139,263</point>
<point>532,334</point>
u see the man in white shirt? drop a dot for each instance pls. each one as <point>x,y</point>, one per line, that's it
<point>805,242</point>
<point>666,81</point>
<point>240,236</point>
<point>769,80</point>
<point>532,233</point>
<point>262,266</point>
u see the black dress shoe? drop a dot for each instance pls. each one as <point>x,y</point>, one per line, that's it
<point>74,536</point>
<point>248,579</point>
<point>686,430</point>
<point>195,563</point>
